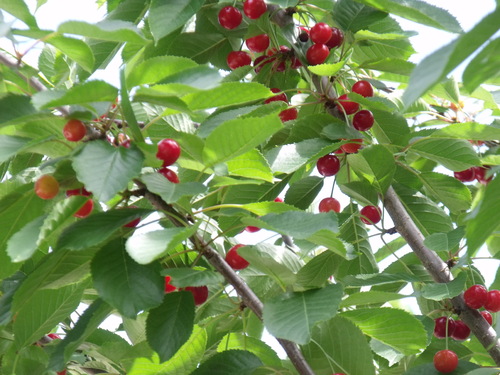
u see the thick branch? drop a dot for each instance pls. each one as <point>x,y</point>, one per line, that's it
<point>440,273</point>
<point>246,294</point>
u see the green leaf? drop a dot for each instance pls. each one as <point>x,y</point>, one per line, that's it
<point>468,130</point>
<point>392,327</point>
<point>292,316</point>
<point>264,208</point>
<point>441,291</point>
<point>371,297</point>
<point>251,164</point>
<point>110,30</point>
<point>445,241</point>
<point>390,65</point>
<point>128,111</point>
<point>390,128</point>
<point>317,271</point>
<point>288,158</point>
<point>10,146</point>
<point>76,49</point>
<point>183,362</point>
<point>230,362</point>
<point>327,353</point>
<point>183,277</point>
<point>32,322</point>
<point>326,69</point>
<point>88,92</point>
<point>418,11</point>
<point>146,247</point>
<point>229,93</point>
<point>482,66</point>
<point>15,107</point>
<point>19,10</point>
<point>238,136</point>
<point>435,67</point>
<point>375,164</point>
<point>377,279</point>
<point>303,192</point>
<point>169,325</point>
<point>352,16</point>
<point>97,228</point>
<point>167,17</point>
<point>23,244</point>
<point>243,342</point>
<point>454,154</point>
<point>484,219</point>
<point>127,286</point>
<point>169,191</point>
<point>448,190</point>
<point>156,69</point>
<point>105,170</point>
<point>360,191</point>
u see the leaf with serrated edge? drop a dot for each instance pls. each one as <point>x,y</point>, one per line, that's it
<point>240,341</point>
<point>441,291</point>
<point>230,362</point>
<point>169,191</point>
<point>182,277</point>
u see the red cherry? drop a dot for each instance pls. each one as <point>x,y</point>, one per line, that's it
<point>353,146</point>
<point>258,43</point>
<point>235,260</point>
<point>169,175</point>
<point>363,88</point>
<point>317,54</point>
<point>168,151</point>
<point>260,61</point>
<point>329,204</point>
<point>85,210</point>
<point>200,293</point>
<point>440,328</point>
<point>467,175</point>
<point>254,8</point>
<point>281,97</point>
<point>461,331</point>
<point>46,187</point>
<point>480,173</point>
<point>278,199</point>
<point>363,120</point>
<point>169,287</point>
<point>237,59</point>
<point>487,316</point>
<point>54,336</point>
<point>493,301</point>
<point>475,297</point>
<point>74,130</point>
<point>328,165</point>
<point>336,39</point>
<point>445,361</point>
<point>230,17</point>
<point>63,372</point>
<point>288,114</point>
<point>346,105</point>
<point>252,229</point>
<point>81,191</point>
<point>320,33</point>
<point>134,222</point>
<point>296,64</point>
<point>370,215</point>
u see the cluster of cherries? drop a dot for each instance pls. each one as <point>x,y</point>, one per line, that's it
<point>168,152</point>
<point>474,173</point>
<point>476,297</point>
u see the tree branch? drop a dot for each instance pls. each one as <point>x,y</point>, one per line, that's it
<point>440,273</point>
<point>249,298</point>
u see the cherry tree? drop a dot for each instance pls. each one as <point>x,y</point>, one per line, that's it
<point>131,200</point>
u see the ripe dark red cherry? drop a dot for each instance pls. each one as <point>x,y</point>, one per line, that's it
<point>320,33</point>
<point>46,187</point>
<point>237,59</point>
<point>253,9</point>
<point>467,175</point>
<point>169,175</point>
<point>280,97</point>
<point>336,39</point>
<point>230,17</point>
<point>200,293</point>
<point>54,336</point>
<point>493,301</point>
<point>288,114</point>
<point>487,316</point>
<point>363,88</point>
<point>168,151</point>
<point>475,297</point>
<point>329,204</point>
<point>85,210</point>
<point>328,165</point>
<point>461,331</point>
<point>278,199</point>
<point>346,105</point>
<point>363,120</point>
<point>169,287</point>
<point>370,215</point>
<point>235,260</point>
<point>74,130</point>
<point>440,328</point>
<point>317,54</point>
<point>81,191</point>
<point>252,229</point>
<point>480,173</point>
<point>353,146</point>
<point>445,361</point>
<point>258,43</point>
<point>63,372</point>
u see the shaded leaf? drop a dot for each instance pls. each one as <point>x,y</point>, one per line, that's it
<point>183,277</point>
<point>230,362</point>
<point>441,291</point>
<point>166,17</point>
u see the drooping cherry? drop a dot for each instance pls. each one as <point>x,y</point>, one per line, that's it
<point>363,120</point>
<point>230,17</point>
<point>200,293</point>
<point>280,97</point>
<point>328,165</point>
<point>336,39</point>
<point>461,331</point>
<point>445,361</point>
<point>346,105</point>
<point>370,215</point>
<point>169,175</point>
<point>317,54</point>
<point>493,301</point>
<point>476,296</point>
<point>253,9</point>
<point>46,187</point>
<point>237,59</point>
<point>235,260</point>
<point>466,175</point>
<point>258,43</point>
<point>320,33</point>
<point>329,204</point>
<point>444,326</point>
<point>363,88</point>
<point>168,151</point>
<point>353,146</point>
<point>487,316</point>
<point>288,114</point>
<point>74,130</point>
